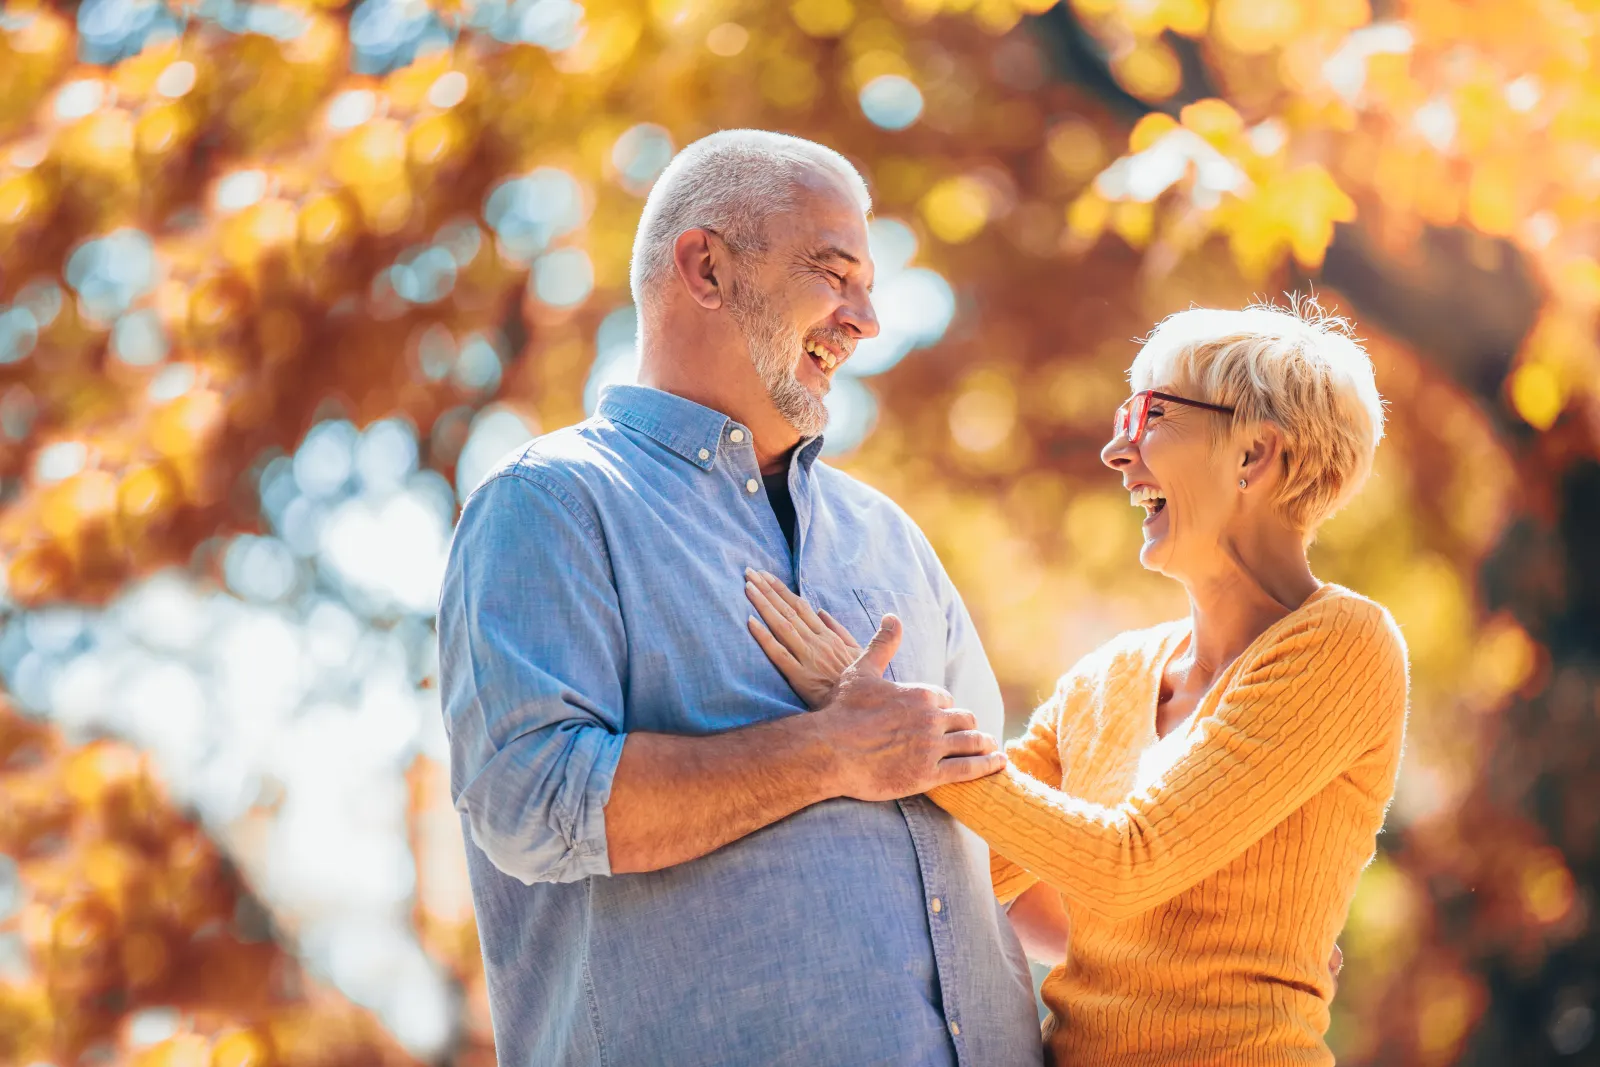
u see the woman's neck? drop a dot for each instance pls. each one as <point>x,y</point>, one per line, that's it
<point>1246,593</point>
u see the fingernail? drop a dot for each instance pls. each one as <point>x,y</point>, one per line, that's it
<point>749,572</point>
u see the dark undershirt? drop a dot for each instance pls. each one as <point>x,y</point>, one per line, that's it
<point>782,503</point>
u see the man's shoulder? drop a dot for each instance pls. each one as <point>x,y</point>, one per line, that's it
<point>564,460</point>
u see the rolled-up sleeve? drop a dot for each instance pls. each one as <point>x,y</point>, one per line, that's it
<point>531,659</point>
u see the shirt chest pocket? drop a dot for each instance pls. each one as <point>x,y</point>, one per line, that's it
<point>921,657</point>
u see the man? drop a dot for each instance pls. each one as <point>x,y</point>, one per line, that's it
<point>670,863</point>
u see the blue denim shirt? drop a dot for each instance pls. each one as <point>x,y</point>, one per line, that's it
<point>595,586</point>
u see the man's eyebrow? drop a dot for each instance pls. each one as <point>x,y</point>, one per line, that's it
<point>835,252</point>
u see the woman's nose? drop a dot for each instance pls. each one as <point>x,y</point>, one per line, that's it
<point>1118,453</point>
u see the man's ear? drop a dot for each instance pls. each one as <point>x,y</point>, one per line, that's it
<point>701,261</point>
<point>1263,454</point>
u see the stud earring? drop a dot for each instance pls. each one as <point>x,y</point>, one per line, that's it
<point>1242,483</point>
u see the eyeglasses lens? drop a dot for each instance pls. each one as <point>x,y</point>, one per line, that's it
<point>1138,409</point>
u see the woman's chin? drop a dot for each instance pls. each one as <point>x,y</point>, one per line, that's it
<point>1156,552</point>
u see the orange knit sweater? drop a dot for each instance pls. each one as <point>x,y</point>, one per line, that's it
<point>1207,875</point>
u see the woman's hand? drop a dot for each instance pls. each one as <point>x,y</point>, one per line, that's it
<point>809,647</point>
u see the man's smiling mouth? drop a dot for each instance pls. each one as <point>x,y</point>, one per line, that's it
<point>822,355</point>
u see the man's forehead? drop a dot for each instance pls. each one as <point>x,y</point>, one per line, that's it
<point>829,219</point>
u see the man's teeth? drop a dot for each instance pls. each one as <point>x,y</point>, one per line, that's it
<point>1147,497</point>
<point>825,357</point>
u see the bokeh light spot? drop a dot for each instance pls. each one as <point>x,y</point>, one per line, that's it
<point>60,461</point>
<point>478,367</point>
<point>956,209</point>
<point>641,154</point>
<point>241,189</point>
<point>727,39</point>
<point>350,109</point>
<point>19,332</point>
<point>448,90</point>
<point>79,98</point>
<point>138,339</point>
<point>424,276</point>
<point>852,412</point>
<point>528,212</point>
<point>564,278</point>
<point>891,102</point>
<point>325,459</point>
<point>616,360</point>
<point>176,80</point>
<point>111,272</point>
<point>496,430</point>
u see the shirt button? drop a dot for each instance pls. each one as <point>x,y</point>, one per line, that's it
<point>752,485</point>
<point>937,905</point>
<point>955,1029</point>
<point>736,436</point>
<point>705,454</point>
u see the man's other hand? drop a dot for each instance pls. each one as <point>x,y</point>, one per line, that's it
<point>890,741</point>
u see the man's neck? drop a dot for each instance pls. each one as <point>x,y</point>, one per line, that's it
<point>774,439</point>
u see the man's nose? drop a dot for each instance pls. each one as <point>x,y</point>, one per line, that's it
<point>859,318</point>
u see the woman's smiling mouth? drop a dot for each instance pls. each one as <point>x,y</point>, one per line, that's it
<point>1150,498</point>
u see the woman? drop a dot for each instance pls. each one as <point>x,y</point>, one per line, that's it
<point>1204,794</point>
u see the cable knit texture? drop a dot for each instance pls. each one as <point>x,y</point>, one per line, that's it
<point>1207,881</point>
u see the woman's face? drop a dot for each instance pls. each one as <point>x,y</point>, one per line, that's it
<point>1186,480</point>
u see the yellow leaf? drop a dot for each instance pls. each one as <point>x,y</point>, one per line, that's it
<point>1150,129</point>
<point>1149,70</point>
<point>1187,17</point>
<point>1213,119</point>
<point>1255,26</point>
<point>1134,222</point>
<point>1087,216</point>
<point>1537,395</point>
<point>823,18</point>
<point>1492,201</point>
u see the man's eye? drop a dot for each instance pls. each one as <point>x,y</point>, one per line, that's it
<point>838,278</point>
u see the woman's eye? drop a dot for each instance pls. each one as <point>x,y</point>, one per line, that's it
<point>1154,413</point>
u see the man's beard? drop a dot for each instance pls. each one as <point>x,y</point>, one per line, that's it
<point>774,348</point>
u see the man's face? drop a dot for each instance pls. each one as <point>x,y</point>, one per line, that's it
<point>805,303</point>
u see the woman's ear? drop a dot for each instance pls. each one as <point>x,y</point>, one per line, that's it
<point>1261,459</point>
<point>700,258</point>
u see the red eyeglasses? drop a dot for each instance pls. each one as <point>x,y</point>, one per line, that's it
<point>1135,412</point>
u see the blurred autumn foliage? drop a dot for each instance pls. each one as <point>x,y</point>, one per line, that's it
<point>236,238</point>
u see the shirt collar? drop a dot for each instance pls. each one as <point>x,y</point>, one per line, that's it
<point>692,430</point>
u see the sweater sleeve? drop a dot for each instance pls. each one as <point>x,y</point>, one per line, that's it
<point>1036,753</point>
<point>1302,710</point>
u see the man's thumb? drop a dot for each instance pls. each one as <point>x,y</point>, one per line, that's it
<point>881,649</point>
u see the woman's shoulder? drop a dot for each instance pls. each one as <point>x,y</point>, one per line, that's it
<point>1337,613</point>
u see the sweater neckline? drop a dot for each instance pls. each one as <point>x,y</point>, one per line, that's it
<point>1182,629</point>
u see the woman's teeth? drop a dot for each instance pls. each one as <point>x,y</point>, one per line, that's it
<point>825,357</point>
<point>1147,497</point>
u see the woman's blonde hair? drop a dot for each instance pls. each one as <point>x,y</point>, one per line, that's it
<point>1300,369</point>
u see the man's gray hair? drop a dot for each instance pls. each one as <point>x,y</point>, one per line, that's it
<point>733,182</point>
